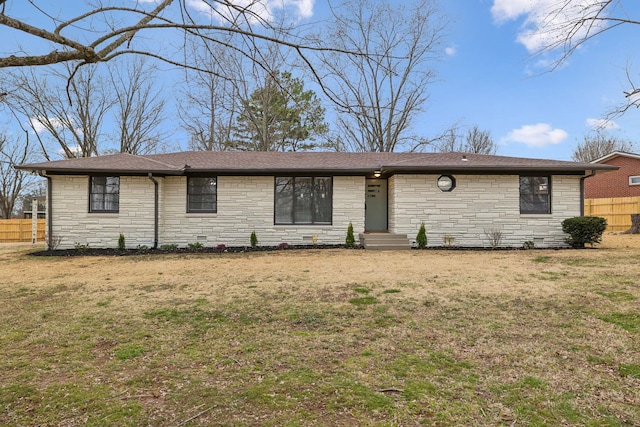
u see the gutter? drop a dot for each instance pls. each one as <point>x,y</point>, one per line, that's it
<point>49,209</point>
<point>582,178</point>
<point>155,211</point>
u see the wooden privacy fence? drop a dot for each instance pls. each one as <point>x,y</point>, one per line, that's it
<point>20,230</point>
<point>616,210</point>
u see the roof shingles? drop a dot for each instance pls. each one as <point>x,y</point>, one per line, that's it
<point>238,162</point>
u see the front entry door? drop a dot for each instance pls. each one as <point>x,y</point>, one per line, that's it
<point>376,205</point>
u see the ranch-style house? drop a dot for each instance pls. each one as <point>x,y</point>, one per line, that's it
<point>300,198</point>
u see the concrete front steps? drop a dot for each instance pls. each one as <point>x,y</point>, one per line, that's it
<point>384,241</point>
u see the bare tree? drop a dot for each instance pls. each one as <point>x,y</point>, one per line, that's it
<point>140,107</point>
<point>210,101</point>
<point>13,183</point>
<point>568,24</point>
<point>97,32</point>
<point>70,111</point>
<point>475,141</point>
<point>599,144</point>
<point>378,93</point>
<point>479,142</point>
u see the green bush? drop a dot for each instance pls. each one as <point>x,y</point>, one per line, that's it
<point>253,239</point>
<point>421,238</point>
<point>350,241</point>
<point>195,247</point>
<point>584,229</point>
<point>121,244</point>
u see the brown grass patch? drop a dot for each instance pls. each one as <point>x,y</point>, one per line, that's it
<point>323,337</point>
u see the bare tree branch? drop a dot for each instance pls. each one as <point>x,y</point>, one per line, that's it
<point>378,93</point>
<point>599,144</point>
<point>569,24</point>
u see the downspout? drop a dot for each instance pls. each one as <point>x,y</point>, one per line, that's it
<point>49,209</point>
<point>155,211</point>
<point>593,172</point>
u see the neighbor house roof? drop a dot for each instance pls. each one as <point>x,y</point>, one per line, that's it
<point>269,163</point>
<point>616,154</point>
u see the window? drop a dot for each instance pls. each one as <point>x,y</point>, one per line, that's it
<point>104,194</point>
<point>202,194</point>
<point>303,200</point>
<point>446,183</point>
<point>634,180</point>
<point>535,195</point>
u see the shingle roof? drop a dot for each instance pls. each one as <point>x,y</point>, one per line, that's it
<point>616,154</point>
<point>243,162</point>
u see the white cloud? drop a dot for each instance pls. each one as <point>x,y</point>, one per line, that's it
<point>75,149</point>
<point>537,136</point>
<point>450,51</point>
<point>505,10</point>
<point>545,20</point>
<point>262,10</point>
<point>602,124</point>
<point>37,123</point>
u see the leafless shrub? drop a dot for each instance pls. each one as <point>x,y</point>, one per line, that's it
<point>53,241</point>
<point>494,236</point>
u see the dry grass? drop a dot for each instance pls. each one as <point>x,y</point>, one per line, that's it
<point>324,337</point>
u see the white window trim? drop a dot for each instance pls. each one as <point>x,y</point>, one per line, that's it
<point>637,177</point>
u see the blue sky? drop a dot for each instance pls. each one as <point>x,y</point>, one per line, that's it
<point>488,77</point>
<point>492,80</point>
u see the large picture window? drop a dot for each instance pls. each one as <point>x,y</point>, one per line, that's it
<point>202,194</point>
<point>535,195</point>
<point>104,194</point>
<point>303,200</point>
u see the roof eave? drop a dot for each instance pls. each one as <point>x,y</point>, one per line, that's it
<point>100,171</point>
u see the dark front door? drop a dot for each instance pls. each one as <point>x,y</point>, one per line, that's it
<point>375,205</point>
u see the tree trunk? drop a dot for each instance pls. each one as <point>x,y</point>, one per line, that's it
<point>635,225</point>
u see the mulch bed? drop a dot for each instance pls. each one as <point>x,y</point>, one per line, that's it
<point>158,251</point>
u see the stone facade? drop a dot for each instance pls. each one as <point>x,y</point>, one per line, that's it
<point>244,204</point>
<point>478,204</point>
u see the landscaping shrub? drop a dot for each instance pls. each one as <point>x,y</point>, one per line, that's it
<point>121,244</point>
<point>584,229</point>
<point>350,241</point>
<point>421,238</point>
<point>253,239</point>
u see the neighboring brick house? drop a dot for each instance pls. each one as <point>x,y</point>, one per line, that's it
<point>625,182</point>
<point>298,198</point>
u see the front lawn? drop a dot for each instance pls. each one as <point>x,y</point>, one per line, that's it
<point>322,337</point>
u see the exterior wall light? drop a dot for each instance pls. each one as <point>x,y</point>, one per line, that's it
<point>446,183</point>
<point>377,173</point>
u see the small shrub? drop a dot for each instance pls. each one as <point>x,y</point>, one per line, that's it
<point>195,247</point>
<point>121,244</point>
<point>448,240</point>
<point>253,239</point>
<point>221,247</point>
<point>81,247</point>
<point>350,240</point>
<point>494,236</point>
<point>53,241</point>
<point>421,238</point>
<point>584,229</point>
<point>529,244</point>
<point>169,247</point>
<point>283,245</point>
<point>143,248</point>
